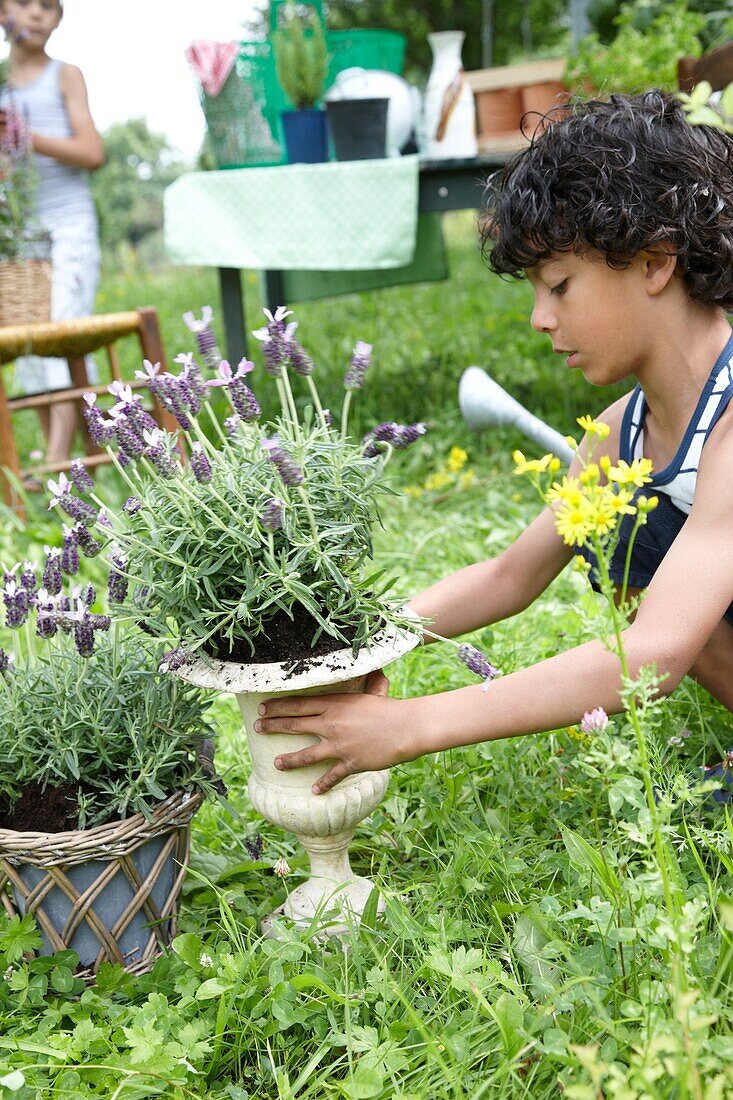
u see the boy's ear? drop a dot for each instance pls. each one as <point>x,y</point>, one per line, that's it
<point>659,267</point>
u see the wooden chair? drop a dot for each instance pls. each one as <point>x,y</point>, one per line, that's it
<point>716,67</point>
<point>72,340</point>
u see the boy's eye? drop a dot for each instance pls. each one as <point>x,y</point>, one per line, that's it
<point>559,288</point>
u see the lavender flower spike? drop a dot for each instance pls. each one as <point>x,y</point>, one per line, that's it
<point>80,476</point>
<point>15,599</point>
<point>480,665</point>
<point>69,552</point>
<point>272,514</point>
<point>359,365</point>
<point>100,430</point>
<point>205,339</point>
<point>287,467</point>
<point>200,464</point>
<point>52,581</point>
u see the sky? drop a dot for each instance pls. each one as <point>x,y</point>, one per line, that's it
<point>131,53</point>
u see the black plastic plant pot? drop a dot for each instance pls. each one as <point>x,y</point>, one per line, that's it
<point>358,128</point>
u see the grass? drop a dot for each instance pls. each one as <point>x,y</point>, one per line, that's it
<point>530,947</point>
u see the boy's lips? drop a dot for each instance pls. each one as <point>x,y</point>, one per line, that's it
<point>572,355</point>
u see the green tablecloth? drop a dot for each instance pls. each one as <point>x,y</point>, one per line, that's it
<point>342,216</point>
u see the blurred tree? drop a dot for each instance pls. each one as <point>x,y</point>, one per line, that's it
<point>719,19</point>
<point>519,28</point>
<point>128,190</point>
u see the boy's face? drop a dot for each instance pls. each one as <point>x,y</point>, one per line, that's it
<point>32,21</point>
<point>594,314</point>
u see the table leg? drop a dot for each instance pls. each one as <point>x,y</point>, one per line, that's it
<point>274,290</point>
<point>232,304</point>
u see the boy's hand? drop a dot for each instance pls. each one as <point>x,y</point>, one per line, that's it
<point>360,732</point>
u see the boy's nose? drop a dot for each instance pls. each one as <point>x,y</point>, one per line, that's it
<point>543,319</point>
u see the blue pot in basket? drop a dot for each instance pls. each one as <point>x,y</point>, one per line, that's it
<point>306,136</point>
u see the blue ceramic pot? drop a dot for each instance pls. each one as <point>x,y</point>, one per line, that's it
<point>306,136</point>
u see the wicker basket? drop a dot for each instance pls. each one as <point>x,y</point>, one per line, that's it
<point>25,279</point>
<point>110,893</point>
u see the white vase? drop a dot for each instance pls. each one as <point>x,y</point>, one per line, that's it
<point>324,824</point>
<point>449,110</point>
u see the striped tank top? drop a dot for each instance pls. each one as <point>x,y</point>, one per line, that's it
<point>678,479</point>
<point>63,191</point>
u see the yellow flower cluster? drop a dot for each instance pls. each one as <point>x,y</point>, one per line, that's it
<point>449,473</point>
<point>591,503</point>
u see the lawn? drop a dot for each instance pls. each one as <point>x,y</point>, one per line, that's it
<point>546,932</point>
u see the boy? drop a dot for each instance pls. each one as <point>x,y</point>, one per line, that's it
<point>620,214</point>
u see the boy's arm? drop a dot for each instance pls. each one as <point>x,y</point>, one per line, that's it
<point>84,149</point>
<point>683,605</point>
<point>489,591</point>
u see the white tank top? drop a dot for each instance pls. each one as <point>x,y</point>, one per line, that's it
<point>63,191</point>
<point>679,479</point>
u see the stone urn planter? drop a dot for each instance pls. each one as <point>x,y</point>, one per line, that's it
<point>324,824</point>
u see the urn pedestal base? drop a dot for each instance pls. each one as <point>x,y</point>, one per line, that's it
<point>324,824</point>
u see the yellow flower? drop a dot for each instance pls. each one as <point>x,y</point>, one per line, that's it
<point>457,459</point>
<point>437,481</point>
<point>594,427</point>
<point>467,478</point>
<point>636,473</point>
<point>571,442</point>
<point>554,464</point>
<point>590,475</point>
<point>621,501</point>
<point>413,491</point>
<point>567,491</point>
<point>647,504</point>
<point>581,564</point>
<point>531,465</point>
<point>574,523</point>
<point>602,513</point>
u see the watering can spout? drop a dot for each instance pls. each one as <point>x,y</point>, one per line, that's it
<point>484,403</point>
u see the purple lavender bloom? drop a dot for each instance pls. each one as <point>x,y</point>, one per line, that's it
<point>200,464</point>
<point>191,386</point>
<point>231,425</point>
<point>255,847</point>
<point>476,662</point>
<point>300,360</point>
<point>28,580</point>
<point>174,400</point>
<point>174,658</point>
<point>359,365</point>
<point>15,599</point>
<point>88,595</point>
<point>101,430</point>
<point>52,581</point>
<point>101,622</point>
<point>5,661</point>
<point>287,467</point>
<point>69,552</point>
<point>275,338</point>
<point>81,511</point>
<point>243,400</point>
<point>83,632</point>
<point>80,476</point>
<point>205,339</point>
<point>132,506</point>
<point>86,542</point>
<point>118,584</point>
<point>396,435</point>
<point>150,375</point>
<point>157,452</point>
<point>129,439</point>
<point>272,514</point>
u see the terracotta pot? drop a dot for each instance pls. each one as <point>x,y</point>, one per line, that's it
<point>324,824</point>
<point>539,99</point>
<point>499,111</point>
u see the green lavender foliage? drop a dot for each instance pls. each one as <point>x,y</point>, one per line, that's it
<point>202,558</point>
<point>301,60</point>
<point>111,723</point>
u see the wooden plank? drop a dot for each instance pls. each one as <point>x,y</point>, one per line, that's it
<point>514,76</point>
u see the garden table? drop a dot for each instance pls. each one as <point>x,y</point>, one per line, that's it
<point>310,218</point>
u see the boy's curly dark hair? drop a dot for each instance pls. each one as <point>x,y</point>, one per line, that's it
<point>618,176</point>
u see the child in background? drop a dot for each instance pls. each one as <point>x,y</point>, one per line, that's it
<point>52,97</point>
<point>620,214</point>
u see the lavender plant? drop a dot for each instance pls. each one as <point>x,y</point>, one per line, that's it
<point>265,526</point>
<point>84,707</point>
